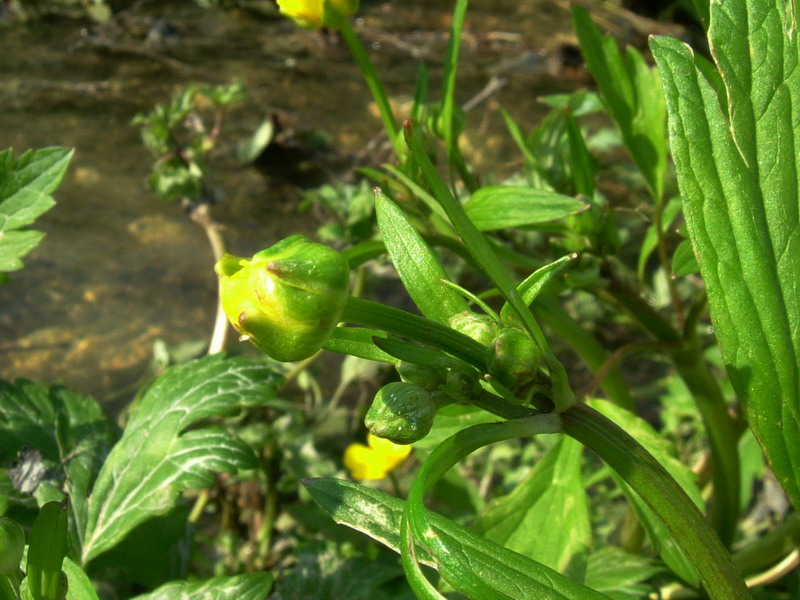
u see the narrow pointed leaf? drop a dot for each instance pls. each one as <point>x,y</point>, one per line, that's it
<point>419,269</point>
<point>379,515</point>
<point>498,206</point>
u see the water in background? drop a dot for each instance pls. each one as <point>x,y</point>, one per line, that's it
<point>120,269</point>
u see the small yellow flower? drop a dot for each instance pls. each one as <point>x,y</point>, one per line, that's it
<point>313,14</point>
<point>376,459</point>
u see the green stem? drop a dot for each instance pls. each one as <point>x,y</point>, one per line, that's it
<point>399,322</point>
<point>721,427</point>
<point>664,496</point>
<point>374,84</point>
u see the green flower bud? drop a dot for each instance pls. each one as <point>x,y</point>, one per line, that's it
<point>461,384</point>
<point>425,376</point>
<point>288,298</point>
<point>12,543</point>
<point>401,412</point>
<point>480,328</point>
<point>514,358</point>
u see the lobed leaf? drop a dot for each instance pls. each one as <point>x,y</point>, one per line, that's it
<point>156,457</point>
<point>67,428</point>
<point>25,187</point>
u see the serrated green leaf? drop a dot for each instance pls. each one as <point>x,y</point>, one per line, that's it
<point>546,517</point>
<point>250,586</point>
<point>736,162</point>
<point>156,457</point>
<point>25,187</point>
<point>499,206</point>
<point>419,269</point>
<point>68,429</point>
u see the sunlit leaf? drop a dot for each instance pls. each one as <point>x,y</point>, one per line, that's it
<point>250,586</point>
<point>25,187</point>
<point>157,457</point>
<point>736,160</point>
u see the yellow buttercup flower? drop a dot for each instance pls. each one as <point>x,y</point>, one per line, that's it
<point>376,459</point>
<point>313,14</point>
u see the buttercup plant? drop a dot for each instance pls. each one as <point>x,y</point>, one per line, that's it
<point>496,414</point>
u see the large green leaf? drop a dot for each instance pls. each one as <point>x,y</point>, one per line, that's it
<point>498,206</point>
<point>25,187</point>
<point>546,517</point>
<point>736,160</point>
<point>250,586</point>
<point>156,457</point>
<point>379,515</point>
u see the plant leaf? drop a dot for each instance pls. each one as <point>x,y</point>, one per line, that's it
<point>67,428</point>
<point>25,187</point>
<point>683,260</point>
<point>736,162</point>
<point>379,515</point>
<point>156,458</point>
<point>79,585</point>
<point>546,517</point>
<point>620,574</point>
<point>499,206</point>
<point>632,94</point>
<point>666,455</point>
<point>250,586</point>
<point>419,269</point>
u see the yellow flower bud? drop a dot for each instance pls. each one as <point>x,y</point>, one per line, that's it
<point>288,298</point>
<point>313,14</point>
<point>375,460</point>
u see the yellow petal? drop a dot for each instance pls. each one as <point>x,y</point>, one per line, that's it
<point>364,463</point>
<point>392,454</point>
